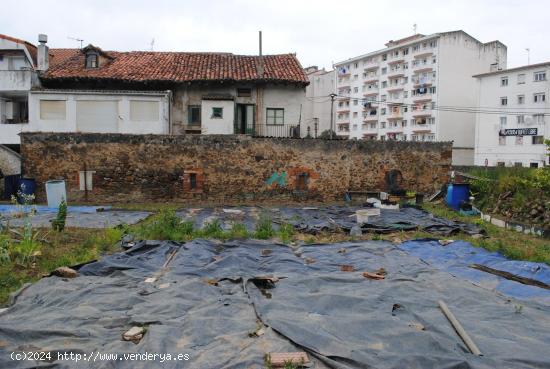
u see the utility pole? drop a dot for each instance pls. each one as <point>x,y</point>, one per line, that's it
<point>332,96</point>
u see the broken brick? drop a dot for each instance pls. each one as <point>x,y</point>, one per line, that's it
<point>280,359</point>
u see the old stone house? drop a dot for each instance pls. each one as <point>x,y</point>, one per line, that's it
<point>93,90</point>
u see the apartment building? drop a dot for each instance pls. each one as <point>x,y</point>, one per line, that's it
<point>408,90</point>
<point>512,119</point>
<point>317,110</point>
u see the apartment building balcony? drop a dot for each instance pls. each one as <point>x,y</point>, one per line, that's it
<point>422,69</point>
<point>370,136</point>
<point>423,54</point>
<point>370,80</point>
<point>425,113</point>
<point>395,116</point>
<point>17,80</point>
<point>396,61</point>
<point>422,82</point>
<point>342,111</point>
<point>418,99</point>
<point>371,93</point>
<point>343,127</point>
<point>395,88</point>
<point>344,86</point>
<point>373,66</point>
<point>343,98</point>
<point>396,74</point>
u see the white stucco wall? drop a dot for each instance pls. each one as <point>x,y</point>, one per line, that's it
<point>211,125</point>
<point>490,91</point>
<point>317,103</point>
<point>124,123</point>
<point>291,99</point>
<point>461,57</point>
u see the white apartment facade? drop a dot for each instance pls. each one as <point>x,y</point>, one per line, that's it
<point>407,90</point>
<point>513,133</point>
<point>317,110</point>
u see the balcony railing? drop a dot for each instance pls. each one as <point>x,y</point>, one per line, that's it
<point>270,130</point>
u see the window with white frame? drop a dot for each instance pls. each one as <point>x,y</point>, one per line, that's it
<point>503,101</point>
<point>431,120</point>
<point>539,76</point>
<point>521,99</point>
<point>356,89</point>
<point>537,140</point>
<point>539,97</point>
<point>382,124</point>
<point>504,81</point>
<point>521,79</point>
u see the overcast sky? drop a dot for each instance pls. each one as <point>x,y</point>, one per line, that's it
<point>319,32</point>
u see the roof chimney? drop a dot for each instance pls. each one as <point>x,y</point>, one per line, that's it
<point>43,59</point>
<point>261,60</point>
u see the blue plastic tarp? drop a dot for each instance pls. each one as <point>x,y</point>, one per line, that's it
<point>9,209</point>
<point>457,257</point>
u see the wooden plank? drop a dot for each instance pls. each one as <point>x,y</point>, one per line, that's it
<point>510,276</point>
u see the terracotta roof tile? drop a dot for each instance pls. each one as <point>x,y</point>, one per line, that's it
<point>58,56</point>
<point>142,66</point>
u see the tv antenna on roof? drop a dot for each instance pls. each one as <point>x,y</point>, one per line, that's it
<point>414,28</point>
<point>76,39</point>
<point>152,44</point>
<point>528,55</point>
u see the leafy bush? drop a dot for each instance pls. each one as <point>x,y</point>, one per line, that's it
<point>166,226</point>
<point>264,229</point>
<point>58,224</point>
<point>286,231</point>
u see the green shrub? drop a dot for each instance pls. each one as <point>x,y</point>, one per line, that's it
<point>286,231</point>
<point>58,224</point>
<point>264,228</point>
<point>238,231</point>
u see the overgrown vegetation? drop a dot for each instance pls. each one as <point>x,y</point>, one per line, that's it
<point>519,194</point>
<point>512,244</point>
<point>166,225</point>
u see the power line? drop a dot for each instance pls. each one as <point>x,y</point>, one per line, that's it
<point>456,109</point>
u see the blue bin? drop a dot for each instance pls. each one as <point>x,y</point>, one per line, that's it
<point>26,186</point>
<point>456,193</point>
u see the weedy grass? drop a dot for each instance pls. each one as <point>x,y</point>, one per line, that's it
<point>512,244</point>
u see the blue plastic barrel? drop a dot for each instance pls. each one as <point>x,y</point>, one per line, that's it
<point>456,193</point>
<point>25,186</point>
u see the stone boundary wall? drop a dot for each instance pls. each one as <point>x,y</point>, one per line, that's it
<point>228,168</point>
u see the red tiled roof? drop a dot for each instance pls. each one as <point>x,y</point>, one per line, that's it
<point>58,56</point>
<point>30,47</point>
<point>149,66</point>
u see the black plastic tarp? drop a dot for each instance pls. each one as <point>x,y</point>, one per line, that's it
<point>314,220</point>
<point>211,296</point>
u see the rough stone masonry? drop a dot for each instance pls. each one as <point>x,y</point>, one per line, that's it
<point>228,168</point>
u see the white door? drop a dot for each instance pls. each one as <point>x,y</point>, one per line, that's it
<point>97,116</point>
